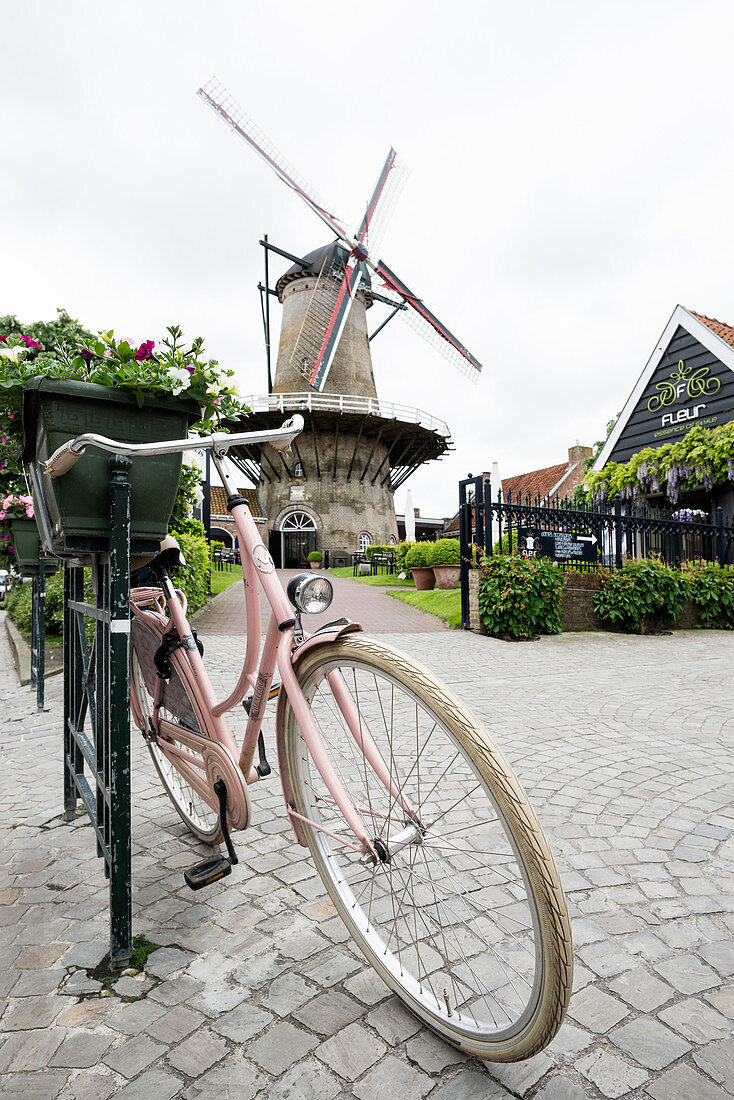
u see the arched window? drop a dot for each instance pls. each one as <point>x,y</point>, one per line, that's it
<point>365,540</point>
<point>393,540</point>
<point>298,521</point>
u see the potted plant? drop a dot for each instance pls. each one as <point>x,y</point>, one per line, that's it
<point>119,389</point>
<point>22,540</point>
<point>416,560</point>
<point>446,561</point>
<point>315,559</point>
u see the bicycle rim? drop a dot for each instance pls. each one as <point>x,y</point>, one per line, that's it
<point>466,922</point>
<point>200,818</point>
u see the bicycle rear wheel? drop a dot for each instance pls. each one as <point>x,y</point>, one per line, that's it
<point>178,708</point>
<point>464,917</point>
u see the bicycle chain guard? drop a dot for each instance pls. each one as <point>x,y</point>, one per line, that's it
<point>218,764</point>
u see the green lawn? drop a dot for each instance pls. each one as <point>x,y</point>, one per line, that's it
<point>222,578</point>
<point>391,580</point>
<point>444,603</point>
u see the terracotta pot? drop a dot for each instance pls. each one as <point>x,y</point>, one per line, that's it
<point>423,577</point>
<point>315,564</point>
<point>447,576</point>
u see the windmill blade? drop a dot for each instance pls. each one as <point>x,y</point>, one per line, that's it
<point>390,183</point>
<point>427,324</point>
<point>326,316</point>
<point>216,96</point>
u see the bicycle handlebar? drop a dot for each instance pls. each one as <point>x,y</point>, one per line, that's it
<point>70,452</point>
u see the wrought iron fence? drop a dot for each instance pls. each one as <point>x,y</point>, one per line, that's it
<point>580,537</point>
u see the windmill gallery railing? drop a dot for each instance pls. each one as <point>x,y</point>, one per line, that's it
<point>345,403</point>
<point>584,538</point>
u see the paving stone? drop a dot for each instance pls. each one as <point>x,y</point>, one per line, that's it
<point>153,1083</point>
<point>129,986</point>
<point>33,1086</point>
<point>717,1059</point>
<point>197,1053</point>
<point>288,993</point>
<point>79,983</point>
<point>81,1049</point>
<point>166,961</point>
<point>687,974</point>
<point>96,1084</point>
<point>570,1040</point>
<point>560,1088</point>
<point>611,1075</point>
<point>392,1077</point>
<point>175,1024</point>
<point>26,1050</point>
<point>606,959</point>
<point>88,1013</point>
<point>307,1080</point>
<point>649,1042</point>
<point>134,1055</point>
<point>723,1000</point>
<point>470,1084</point>
<point>520,1077</point>
<point>136,1016</point>
<point>641,989</point>
<point>243,1022</point>
<point>39,956</point>
<point>234,1079</point>
<point>393,1022</point>
<point>720,955</point>
<point>697,1021</point>
<point>31,1012</point>
<point>683,1083</point>
<point>86,954</point>
<point>351,1052</point>
<point>596,1010</point>
<point>280,1047</point>
<point>328,1013</point>
<point>34,983</point>
<point>329,967</point>
<point>219,998</point>
<point>432,1054</point>
<point>367,987</point>
<point>173,991</point>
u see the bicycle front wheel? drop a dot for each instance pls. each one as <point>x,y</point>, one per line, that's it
<point>464,915</point>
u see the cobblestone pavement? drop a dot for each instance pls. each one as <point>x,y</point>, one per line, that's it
<point>624,745</point>
<point>366,604</point>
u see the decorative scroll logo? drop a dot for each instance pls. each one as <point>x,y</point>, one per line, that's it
<point>694,383</point>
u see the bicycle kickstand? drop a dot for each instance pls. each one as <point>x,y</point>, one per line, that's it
<point>210,870</point>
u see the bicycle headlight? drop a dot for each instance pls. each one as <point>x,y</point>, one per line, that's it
<point>310,593</point>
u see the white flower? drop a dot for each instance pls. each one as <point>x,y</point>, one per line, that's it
<point>12,353</point>
<point>180,379</point>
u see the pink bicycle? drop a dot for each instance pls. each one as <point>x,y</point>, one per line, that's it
<point>422,834</point>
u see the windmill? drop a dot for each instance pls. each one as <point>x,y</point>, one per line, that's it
<point>362,449</point>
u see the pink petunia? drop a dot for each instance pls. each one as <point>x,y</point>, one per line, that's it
<point>30,343</point>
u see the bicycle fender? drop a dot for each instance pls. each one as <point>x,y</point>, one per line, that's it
<point>328,633</point>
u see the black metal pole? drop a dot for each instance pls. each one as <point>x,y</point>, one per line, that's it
<point>720,551</point>
<point>618,531</point>
<point>40,655</point>
<point>267,315</point>
<point>119,714</point>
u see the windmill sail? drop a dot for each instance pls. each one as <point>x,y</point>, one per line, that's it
<point>426,323</point>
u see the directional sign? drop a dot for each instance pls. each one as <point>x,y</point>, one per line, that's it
<point>558,545</point>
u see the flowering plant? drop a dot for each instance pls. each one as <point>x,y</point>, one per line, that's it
<point>16,506</point>
<point>173,368</point>
<point>691,515</point>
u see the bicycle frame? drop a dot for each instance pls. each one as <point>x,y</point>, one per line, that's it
<point>279,650</point>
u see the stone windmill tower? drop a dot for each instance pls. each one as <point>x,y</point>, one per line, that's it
<point>336,491</point>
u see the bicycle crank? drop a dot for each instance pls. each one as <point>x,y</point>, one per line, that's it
<point>218,764</point>
<point>211,870</point>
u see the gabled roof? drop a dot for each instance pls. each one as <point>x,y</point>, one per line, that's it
<point>537,482</point>
<point>218,501</point>
<point>715,336</point>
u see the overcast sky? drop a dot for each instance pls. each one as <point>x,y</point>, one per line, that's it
<point>571,181</point>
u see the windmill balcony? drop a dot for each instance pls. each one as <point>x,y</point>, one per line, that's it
<point>312,401</point>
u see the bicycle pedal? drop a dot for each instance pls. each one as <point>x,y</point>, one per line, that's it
<point>208,871</point>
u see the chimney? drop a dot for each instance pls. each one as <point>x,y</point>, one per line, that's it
<point>577,453</point>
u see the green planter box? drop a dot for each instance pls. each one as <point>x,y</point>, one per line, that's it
<point>77,504</point>
<point>26,541</point>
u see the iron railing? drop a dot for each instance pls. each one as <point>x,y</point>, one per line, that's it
<point>345,403</point>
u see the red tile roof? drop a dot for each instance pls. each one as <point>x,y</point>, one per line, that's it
<point>218,501</point>
<point>724,331</point>
<point>536,483</point>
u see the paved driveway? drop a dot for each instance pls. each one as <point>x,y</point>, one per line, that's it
<point>624,745</point>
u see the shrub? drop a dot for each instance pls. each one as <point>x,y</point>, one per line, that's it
<point>315,555</point>
<point>711,589</point>
<point>444,552</point>
<point>641,597</point>
<point>520,597</point>
<point>417,555</point>
<point>195,577</point>
<point>400,551</point>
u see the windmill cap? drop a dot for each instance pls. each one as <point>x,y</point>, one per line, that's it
<point>334,255</point>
